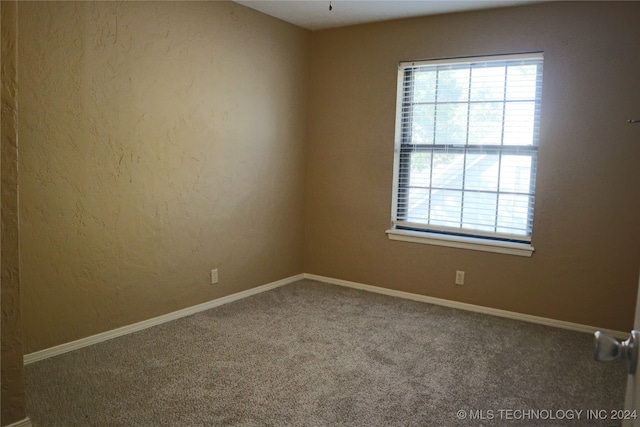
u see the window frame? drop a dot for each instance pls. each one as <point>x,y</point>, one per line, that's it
<point>459,237</point>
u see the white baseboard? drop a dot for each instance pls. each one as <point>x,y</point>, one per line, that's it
<point>22,423</point>
<point>468,307</point>
<point>104,336</point>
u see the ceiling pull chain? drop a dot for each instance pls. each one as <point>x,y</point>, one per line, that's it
<point>330,5</point>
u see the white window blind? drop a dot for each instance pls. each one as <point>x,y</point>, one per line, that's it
<point>466,146</point>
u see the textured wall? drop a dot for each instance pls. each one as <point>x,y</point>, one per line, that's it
<point>12,377</point>
<point>585,268</point>
<point>158,140</point>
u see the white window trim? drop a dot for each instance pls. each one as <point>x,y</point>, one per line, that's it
<point>461,242</point>
<point>524,249</point>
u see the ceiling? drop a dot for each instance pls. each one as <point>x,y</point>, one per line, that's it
<point>315,14</point>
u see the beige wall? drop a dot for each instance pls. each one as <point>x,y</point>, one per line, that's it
<point>586,235</point>
<point>159,140</point>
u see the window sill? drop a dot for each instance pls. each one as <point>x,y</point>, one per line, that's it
<point>472,243</point>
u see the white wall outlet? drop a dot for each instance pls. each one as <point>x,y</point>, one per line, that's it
<point>214,276</point>
<point>459,277</point>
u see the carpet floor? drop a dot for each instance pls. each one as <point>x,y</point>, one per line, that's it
<point>313,354</point>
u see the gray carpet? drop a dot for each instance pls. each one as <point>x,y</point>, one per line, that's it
<point>312,354</point>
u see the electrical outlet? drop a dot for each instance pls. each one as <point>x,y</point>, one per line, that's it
<point>214,276</point>
<point>459,277</point>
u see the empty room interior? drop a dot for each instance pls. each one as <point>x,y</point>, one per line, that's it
<point>213,216</point>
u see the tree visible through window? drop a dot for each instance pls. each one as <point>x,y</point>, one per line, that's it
<point>467,144</point>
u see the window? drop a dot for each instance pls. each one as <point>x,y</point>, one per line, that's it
<point>466,152</point>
